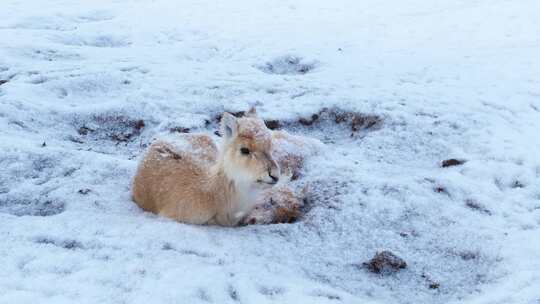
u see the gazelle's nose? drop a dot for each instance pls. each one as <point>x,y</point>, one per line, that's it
<point>274,178</point>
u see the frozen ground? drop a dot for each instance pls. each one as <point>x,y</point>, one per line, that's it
<point>89,83</point>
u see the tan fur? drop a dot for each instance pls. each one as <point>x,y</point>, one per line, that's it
<point>200,184</point>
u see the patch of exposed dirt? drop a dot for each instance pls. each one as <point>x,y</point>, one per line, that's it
<point>432,284</point>
<point>179,130</point>
<point>32,207</point>
<point>66,244</point>
<point>385,262</point>
<point>452,162</point>
<point>474,205</point>
<point>119,129</point>
<point>288,65</point>
<point>354,121</point>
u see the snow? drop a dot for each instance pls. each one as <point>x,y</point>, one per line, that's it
<point>448,79</point>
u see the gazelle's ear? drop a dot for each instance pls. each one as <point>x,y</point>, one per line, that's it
<point>229,126</point>
<point>252,112</point>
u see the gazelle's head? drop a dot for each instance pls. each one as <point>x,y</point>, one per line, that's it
<point>246,150</point>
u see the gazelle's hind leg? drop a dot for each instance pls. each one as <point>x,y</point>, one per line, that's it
<point>169,211</point>
<point>187,215</point>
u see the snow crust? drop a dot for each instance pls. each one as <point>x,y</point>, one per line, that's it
<point>88,84</point>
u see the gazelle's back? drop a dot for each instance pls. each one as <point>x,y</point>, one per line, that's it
<point>171,180</point>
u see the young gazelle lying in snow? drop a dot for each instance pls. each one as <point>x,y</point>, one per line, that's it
<point>201,184</point>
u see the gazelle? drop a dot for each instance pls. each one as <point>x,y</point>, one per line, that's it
<point>200,184</point>
<point>203,185</point>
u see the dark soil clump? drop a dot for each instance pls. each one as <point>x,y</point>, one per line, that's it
<point>452,162</point>
<point>385,262</point>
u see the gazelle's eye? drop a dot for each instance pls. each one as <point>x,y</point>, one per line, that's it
<point>245,151</point>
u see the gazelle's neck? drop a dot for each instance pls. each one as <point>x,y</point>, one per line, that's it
<point>234,199</point>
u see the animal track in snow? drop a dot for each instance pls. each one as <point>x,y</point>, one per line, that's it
<point>288,65</point>
<point>271,292</point>
<point>202,294</point>
<point>52,55</point>
<point>99,40</point>
<point>94,16</point>
<point>33,207</point>
<point>233,293</point>
<point>90,85</point>
<point>64,243</point>
<point>53,23</point>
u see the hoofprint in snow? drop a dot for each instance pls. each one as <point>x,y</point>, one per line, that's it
<point>84,86</point>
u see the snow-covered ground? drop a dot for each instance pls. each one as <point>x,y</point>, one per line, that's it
<point>88,83</point>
